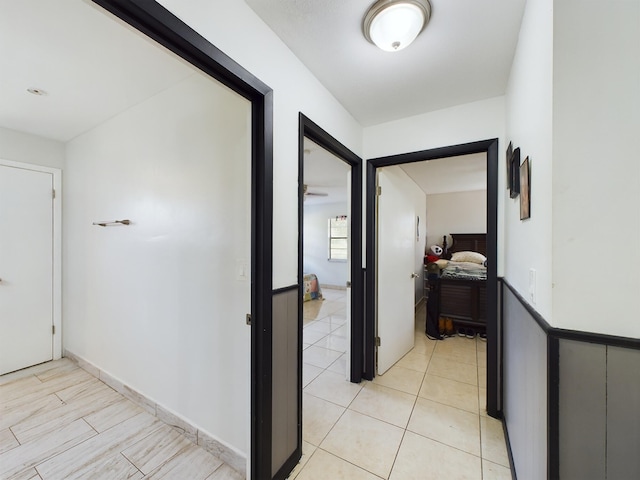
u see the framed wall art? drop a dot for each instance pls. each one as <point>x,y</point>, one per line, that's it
<point>509,153</point>
<point>525,190</point>
<point>515,173</point>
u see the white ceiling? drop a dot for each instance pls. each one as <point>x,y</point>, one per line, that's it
<point>463,55</point>
<point>324,173</point>
<point>453,174</point>
<point>91,65</point>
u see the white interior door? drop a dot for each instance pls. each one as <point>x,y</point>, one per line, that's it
<point>26,268</point>
<point>395,267</point>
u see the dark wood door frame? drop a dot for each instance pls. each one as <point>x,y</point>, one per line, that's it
<point>153,20</point>
<point>309,129</point>
<point>490,147</point>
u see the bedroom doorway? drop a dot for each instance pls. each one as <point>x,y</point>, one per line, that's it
<point>330,253</point>
<point>490,149</point>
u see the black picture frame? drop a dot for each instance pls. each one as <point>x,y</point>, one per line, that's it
<point>509,154</point>
<point>525,190</point>
<point>515,173</point>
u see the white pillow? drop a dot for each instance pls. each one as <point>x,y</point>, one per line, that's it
<point>473,257</point>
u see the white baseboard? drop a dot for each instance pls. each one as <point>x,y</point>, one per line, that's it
<point>231,457</point>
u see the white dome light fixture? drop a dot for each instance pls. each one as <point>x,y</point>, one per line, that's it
<point>393,24</point>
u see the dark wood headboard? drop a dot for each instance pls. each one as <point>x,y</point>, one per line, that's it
<point>472,242</point>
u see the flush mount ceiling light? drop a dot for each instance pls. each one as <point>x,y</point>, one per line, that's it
<point>393,24</point>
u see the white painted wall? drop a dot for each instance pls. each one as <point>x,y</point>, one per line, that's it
<point>455,212</point>
<point>529,126</point>
<point>234,28</point>
<point>27,148</point>
<point>158,304</point>
<point>480,120</point>
<point>596,172</point>
<point>316,244</point>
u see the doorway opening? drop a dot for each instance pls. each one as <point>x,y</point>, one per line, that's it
<point>350,165</point>
<point>490,148</point>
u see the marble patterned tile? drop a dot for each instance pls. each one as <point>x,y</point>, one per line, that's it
<point>112,415</point>
<point>451,426</point>
<point>320,357</point>
<point>311,336</point>
<point>364,441</point>
<point>400,378</point>
<point>323,465</point>
<point>386,404</point>
<point>48,446</point>
<point>88,386</point>
<point>7,440</point>
<point>34,392</point>
<point>334,388</point>
<point>307,451</point>
<point>178,423</point>
<point>421,458</point>
<point>318,417</point>
<point>460,372</point>
<point>193,463</point>
<point>339,366</point>
<point>113,466</point>
<point>450,392</point>
<point>482,401</point>
<point>52,419</point>
<point>231,457</point>
<point>152,451</point>
<point>455,352</point>
<point>493,471</point>
<point>309,372</point>
<point>55,369</point>
<point>129,393</point>
<point>423,345</point>
<point>14,388</point>
<point>333,342</point>
<point>415,360</point>
<point>225,472</point>
<point>482,376</point>
<point>29,474</point>
<point>15,412</point>
<point>319,327</point>
<point>84,457</point>
<point>494,447</point>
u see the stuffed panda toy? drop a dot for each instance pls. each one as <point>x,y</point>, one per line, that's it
<point>433,254</point>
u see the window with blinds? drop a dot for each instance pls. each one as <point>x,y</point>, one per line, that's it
<point>338,240</point>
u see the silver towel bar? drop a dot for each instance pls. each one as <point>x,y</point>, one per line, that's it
<point>111,223</point>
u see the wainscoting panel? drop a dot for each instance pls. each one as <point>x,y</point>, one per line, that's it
<point>582,410</point>
<point>524,388</point>
<point>571,398</point>
<point>285,394</point>
<point>623,413</point>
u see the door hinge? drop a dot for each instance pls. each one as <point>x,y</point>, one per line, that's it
<point>378,343</point>
<point>53,329</point>
<point>379,190</point>
<point>53,193</point>
<point>248,319</point>
<point>348,284</point>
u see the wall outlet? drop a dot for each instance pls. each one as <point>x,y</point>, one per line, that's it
<point>532,286</point>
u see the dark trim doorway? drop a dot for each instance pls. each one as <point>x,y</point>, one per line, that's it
<point>309,129</point>
<point>490,147</point>
<point>153,20</point>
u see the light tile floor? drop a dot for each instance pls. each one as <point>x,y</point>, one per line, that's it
<point>423,419</point>
<point>59,422</point>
